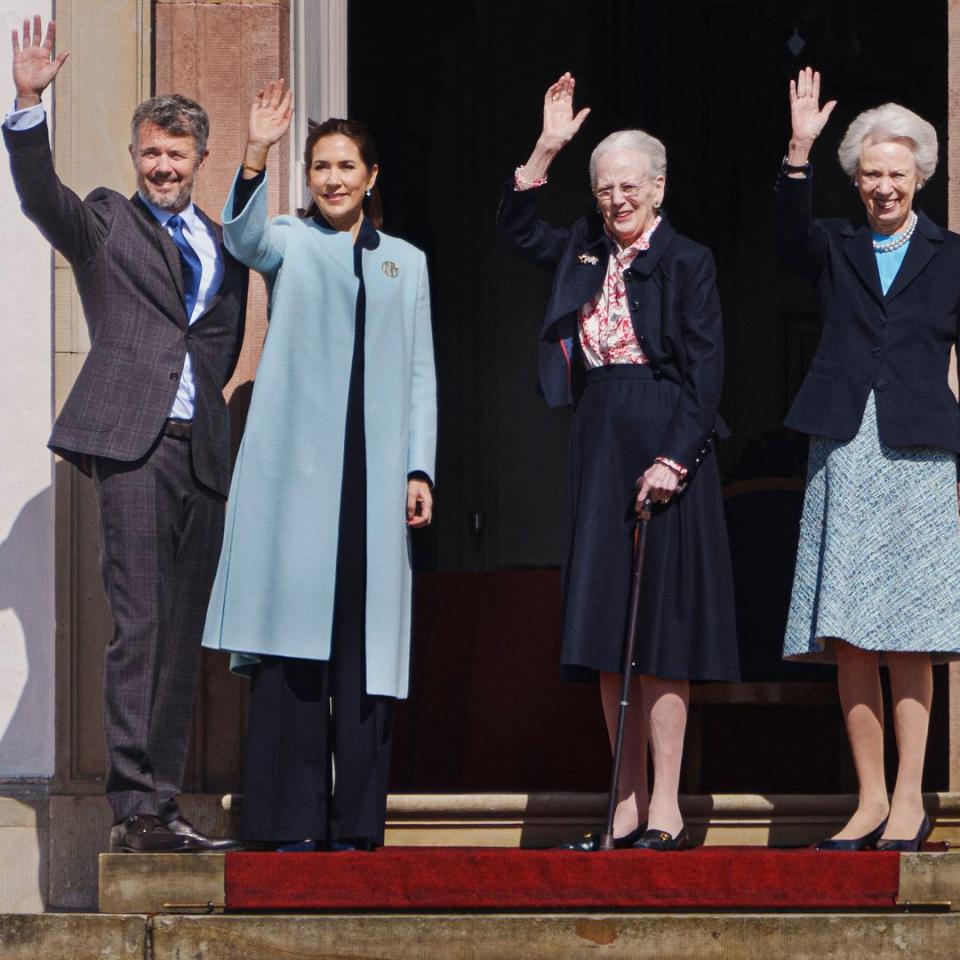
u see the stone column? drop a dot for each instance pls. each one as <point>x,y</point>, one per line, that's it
<point>27,622</point>
<point>220,52</point>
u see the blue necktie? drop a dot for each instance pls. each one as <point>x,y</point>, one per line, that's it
<point>189,265</point>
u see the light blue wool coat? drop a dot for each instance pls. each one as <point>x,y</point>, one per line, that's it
<point>274,588</point>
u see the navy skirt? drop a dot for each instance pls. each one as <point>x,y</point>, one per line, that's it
<point>687,629</point>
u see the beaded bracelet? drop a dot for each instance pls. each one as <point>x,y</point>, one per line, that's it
<point>679,470</point>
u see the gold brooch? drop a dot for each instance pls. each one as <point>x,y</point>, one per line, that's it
<point>390,268</point>
<point>588,258</point>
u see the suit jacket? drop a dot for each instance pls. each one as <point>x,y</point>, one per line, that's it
<point>897,345</point>
<point>674,306</point>
<point>128,275</point>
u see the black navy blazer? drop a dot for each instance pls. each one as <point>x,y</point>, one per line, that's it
<point>674,306</point>
<point>897,345</point>
<point>128,275</point>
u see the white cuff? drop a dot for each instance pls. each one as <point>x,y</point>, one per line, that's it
<point>26,118</point>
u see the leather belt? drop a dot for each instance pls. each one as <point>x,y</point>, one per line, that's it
<point>178,429</point>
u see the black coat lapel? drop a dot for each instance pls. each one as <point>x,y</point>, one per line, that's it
<point>587,270</point>
<point>858,249</point>
<point>645,262</point>
<point>924,246</point>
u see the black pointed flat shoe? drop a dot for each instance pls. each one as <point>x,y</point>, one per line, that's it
<point>909,846</point>
<point>867,842</point>
<point>590,842</point>
<point>661,841</point>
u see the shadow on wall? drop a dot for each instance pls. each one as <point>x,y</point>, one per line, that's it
<point>27,625</point>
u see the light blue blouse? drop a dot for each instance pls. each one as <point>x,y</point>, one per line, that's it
<point>888,263</point>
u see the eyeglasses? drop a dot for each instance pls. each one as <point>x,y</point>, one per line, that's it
<point>629,191</point>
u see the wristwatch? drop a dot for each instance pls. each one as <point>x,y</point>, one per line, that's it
<point>788,167</point>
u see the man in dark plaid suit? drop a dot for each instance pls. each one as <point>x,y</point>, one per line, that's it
<point>164,305</point>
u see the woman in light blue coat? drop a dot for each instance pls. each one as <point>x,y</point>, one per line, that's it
<point>312,596</point>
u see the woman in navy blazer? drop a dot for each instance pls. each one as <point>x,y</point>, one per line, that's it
<point>878,566</point>
<point>632,337</point>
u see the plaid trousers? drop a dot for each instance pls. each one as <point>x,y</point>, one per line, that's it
<point>161,532</point>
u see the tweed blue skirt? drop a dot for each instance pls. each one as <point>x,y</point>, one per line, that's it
<point>878,564</point>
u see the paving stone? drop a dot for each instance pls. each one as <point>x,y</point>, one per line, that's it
<point>72,936</point>
<point>556,937</point>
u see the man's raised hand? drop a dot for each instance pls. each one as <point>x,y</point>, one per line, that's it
<point>34,63</point>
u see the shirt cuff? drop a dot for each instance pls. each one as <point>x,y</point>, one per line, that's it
<point>519,184</point>
<point>420,475</point>
<point>244,190</point>
<point>26,118</point>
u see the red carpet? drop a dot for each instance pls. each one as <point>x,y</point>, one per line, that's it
<point>445,878</point>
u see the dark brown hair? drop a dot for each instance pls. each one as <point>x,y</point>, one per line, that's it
<point>360,135</point>
<point>176,115</point>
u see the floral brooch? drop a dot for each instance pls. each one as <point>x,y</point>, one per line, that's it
<point>588,258</point>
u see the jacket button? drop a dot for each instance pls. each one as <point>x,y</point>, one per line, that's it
<point>635,304</point>
<point>881,385</point>
<point>174,375</point>
<point>628,274</point>
<point>877,351</point>
<point>697,461</point>
<point>657,375</point>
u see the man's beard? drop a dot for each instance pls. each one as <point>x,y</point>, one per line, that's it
<point>167,201</point>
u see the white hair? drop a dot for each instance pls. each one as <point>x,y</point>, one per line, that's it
<point>650,147</point>
<point>886,123</point>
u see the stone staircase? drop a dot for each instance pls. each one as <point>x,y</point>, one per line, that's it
<point>171,907</point>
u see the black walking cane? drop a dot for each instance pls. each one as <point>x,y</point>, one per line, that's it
<point>629,643</point>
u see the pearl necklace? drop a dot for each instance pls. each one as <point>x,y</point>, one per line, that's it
<point>899,239</point>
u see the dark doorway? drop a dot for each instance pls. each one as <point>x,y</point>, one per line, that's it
<point>452,91</point>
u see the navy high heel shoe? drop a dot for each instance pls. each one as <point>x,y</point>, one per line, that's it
<point>867,842</point>
<point>909,846</point>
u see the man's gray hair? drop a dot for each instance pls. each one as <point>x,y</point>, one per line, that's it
<point>650,147</point>
<point>890,123</point>
<point>176,115</point>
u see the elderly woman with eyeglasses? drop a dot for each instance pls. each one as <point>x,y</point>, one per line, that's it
<point>632,338</point>
<point>878,566</point>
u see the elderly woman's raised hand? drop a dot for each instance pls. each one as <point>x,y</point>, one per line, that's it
<point>560,125</point>
<point>806,117</point>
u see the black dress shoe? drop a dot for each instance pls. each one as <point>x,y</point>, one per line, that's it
<point>146,834</point>
<point>200,841</point>
<point>909,846</point>
<point>662,841</point>
<point>590,842</point>
<point>348,844</point>
<point>867,842</point>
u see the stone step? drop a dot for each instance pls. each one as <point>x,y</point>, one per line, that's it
<point>194,884</point>
<point>75,829</point>
<point>674,936</point>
